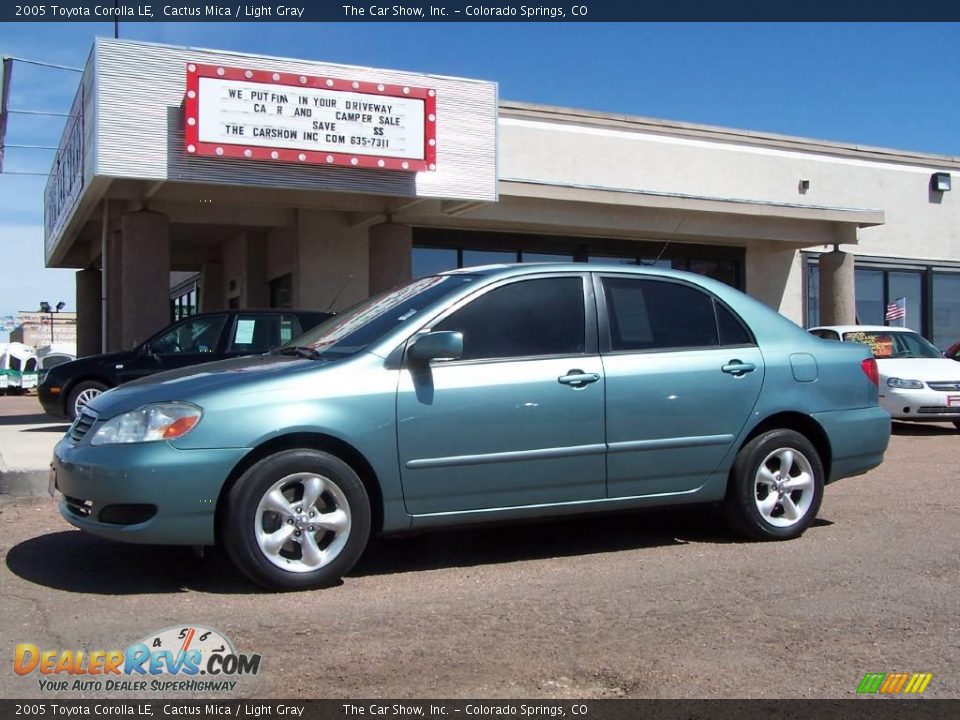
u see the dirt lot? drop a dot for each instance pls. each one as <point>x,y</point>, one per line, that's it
<point>654,604</point>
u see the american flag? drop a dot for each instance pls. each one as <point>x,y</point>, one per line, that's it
<point>897,310</point>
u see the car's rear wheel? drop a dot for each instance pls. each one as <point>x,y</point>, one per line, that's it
<point>81,395</point>
<point>776,486</point>
<point>296,520</point>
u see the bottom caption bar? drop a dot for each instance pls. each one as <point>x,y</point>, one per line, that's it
<point>853,709</point>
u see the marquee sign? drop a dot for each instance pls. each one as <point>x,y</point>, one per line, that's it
<point>287,117</point>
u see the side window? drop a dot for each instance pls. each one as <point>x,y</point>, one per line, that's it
<point>289,328</point>
<point>827,334</point>
<point>522,319</point>
<point>194,336</point>
<point>732,330</point>
<point>657,315</point>
<point>254,334</point>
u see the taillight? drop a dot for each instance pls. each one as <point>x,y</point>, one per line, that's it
<point>869,367</point>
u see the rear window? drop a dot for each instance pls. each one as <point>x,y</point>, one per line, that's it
<point>890,345</point>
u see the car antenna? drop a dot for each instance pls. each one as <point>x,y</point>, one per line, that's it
<point>662,250</point>
<point>339,292</point>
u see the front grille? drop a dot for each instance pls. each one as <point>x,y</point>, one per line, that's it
<point>938,410</point>
<point>82,425</point>
<point>945,386</point>
<point>127,514</point>
<point>80,508</point>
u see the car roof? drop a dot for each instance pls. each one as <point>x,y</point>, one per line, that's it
<point>508,269</point>
<point>863,328</point>
<point>257,311</point>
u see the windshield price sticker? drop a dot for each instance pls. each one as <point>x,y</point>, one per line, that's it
<point>306,119</point>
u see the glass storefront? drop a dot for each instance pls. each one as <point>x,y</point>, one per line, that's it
<point>439,250</point>
<point>931,296</point>
<point>946,309</point>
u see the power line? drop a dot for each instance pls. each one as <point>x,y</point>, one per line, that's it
<point>43,64</point>
<point>38,112</point>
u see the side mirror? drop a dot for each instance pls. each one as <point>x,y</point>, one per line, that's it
<point>443,345</point>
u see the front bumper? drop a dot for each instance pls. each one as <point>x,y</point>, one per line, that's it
<point>923,404</point>
<point>174,491</point>
<point>52,403</point>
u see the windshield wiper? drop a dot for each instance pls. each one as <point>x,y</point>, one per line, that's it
<point>298,350</point>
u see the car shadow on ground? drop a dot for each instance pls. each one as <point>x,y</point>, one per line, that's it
<point>922,429</point>
<point>73,561</point>
<point>32,419</point>
<point>549,538</point>
<point>48,429</point>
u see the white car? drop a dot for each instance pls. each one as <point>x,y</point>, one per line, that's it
<point>916,381</point>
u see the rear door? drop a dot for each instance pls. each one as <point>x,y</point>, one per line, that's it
<point>683,374</point>
<point>518,420</point>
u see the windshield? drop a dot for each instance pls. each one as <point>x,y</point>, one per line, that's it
<point>358,327</point>
<point>891,345</point>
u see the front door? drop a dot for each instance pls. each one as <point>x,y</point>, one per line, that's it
<point>189,342</point>
<point>518,420</point>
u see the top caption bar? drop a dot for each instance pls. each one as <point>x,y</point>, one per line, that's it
<point>505,11</point>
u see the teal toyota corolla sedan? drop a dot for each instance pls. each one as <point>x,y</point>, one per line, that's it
<point>485,394</point>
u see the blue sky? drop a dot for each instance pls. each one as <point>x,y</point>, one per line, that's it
<point>892,85</point>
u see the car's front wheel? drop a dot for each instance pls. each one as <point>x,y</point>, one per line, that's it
<point>81,395</point>
<point>296,520</point>
<point>776,486</point>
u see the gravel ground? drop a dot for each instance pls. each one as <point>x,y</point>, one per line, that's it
<point>652,604</point>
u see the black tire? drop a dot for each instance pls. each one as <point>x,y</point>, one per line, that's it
<point>243,517</point>
<point>746,492</point>
<point>75,392</point>
<point>956,424</point>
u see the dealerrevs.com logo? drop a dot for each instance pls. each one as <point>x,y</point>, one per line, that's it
<point>894,683</point>
<point>189,659</point>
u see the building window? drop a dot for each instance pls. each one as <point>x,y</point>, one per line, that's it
<point>946,309</point>
<point>281,291</point>
<point>869,296</point>
<point>430,261</point>
<point>185,304</point>
<point>438,250</point>
<point>813,295</point>
<point>931,296</point>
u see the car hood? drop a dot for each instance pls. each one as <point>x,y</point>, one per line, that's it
<point>920,368</point>
<point>192,383</point>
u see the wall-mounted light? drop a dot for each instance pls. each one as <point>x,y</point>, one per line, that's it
<point>940,181</point>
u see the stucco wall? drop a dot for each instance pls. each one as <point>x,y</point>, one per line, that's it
<point>919,224</point>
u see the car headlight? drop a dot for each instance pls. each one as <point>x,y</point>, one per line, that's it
<point>904,384</point>
<point>160,421</point>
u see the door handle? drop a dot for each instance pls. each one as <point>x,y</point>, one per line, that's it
<point>738,368</point>
<point>577,378</point>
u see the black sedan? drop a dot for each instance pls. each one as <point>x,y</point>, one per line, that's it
<point>193,340</point>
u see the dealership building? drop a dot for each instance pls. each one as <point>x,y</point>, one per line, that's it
<point>194,179</point>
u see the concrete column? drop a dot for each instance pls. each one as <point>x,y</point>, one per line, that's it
<point>212,296</point>
<point>144,277</point>
<point>837,289</point>
<point>88,312</point>
<point>332,257</point>
<point>257,291</point>
<point>391,245</point>
<point>113,267</point>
